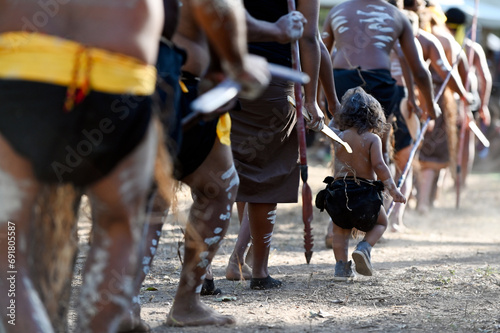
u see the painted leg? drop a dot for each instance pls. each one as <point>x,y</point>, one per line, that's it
<point>236,268</point>
<point>54,248</point>
<point>117,203</point>
<point>24,311</point>
<point>214,186</point>
<point>262,218</point>
<point>131,321</point>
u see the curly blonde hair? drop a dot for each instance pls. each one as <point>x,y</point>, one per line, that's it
<point>361,111</point>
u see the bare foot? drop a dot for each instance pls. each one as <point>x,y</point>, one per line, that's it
<point>197,314</point>
<point>398,227</point>
<point>132,322</point>
<point>423,210</point>
<point>236,272</point>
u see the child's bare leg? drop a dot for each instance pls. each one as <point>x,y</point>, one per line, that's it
<point>236,268</point>
<point>329,235</point>
<point>214,185</point>
<point>362,254</point>
<point>372,236</point>
<point>341,242</point>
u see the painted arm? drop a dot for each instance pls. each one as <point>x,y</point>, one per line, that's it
<point>421,74</point>
<point>223,21</point>
<point>485,82</point>
<point>440,64</point>
<point>409,83</point>
<point>310,60</point>
<point>286,29</point>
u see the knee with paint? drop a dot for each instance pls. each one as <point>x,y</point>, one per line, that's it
<point>231,183</point>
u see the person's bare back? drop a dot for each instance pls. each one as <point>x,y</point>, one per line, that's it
<point>362,27</point>
<point>129,27</point>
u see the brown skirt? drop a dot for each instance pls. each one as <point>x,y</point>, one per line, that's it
<point>441,140</point>
<point>265,147</point>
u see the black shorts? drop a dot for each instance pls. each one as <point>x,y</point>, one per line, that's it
<point>351,203</point>
<point>79,146</point>
<point>190,147</point>
<point>376,82</point>
<point>198,140</point>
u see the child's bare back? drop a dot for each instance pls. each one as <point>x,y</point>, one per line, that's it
<point>359,163</point>
<point>360,123</point>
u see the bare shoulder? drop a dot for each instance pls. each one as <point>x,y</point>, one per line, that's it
<point>336,10</point>
<point>427,37</point>
<point>371,138</point>
<point>340,6</point>
<point>478,49</point>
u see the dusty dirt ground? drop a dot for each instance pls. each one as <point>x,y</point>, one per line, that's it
<point>441,275</point>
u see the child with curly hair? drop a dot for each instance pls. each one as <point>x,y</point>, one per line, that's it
<point>353,197</point>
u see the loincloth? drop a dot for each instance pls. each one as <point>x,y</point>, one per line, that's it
<point>74,112</point>
<point>351,202</point>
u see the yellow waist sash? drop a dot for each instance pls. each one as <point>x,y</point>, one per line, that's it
<point>49,59</point>
<point>224,129</point>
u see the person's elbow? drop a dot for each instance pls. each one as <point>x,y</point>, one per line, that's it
<point>309,40</point>
<point>421,75</point>
<point>379,167</point>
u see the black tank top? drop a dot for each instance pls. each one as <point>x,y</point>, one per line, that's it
<point>270,11</point>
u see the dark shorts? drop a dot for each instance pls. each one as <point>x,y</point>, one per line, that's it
<point>168,90</point>
<point>402,136</point>
<point>189,147</point>
<point>351,203</point>
<point>198,140</point>
<point>377,82</point>
<point>80,146</point>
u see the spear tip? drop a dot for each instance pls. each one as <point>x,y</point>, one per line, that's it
<point>308,256</point>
